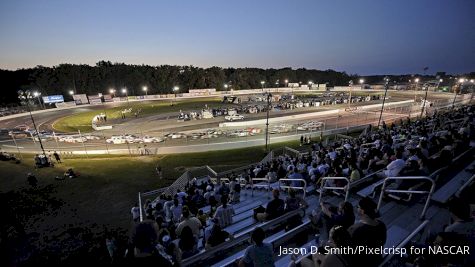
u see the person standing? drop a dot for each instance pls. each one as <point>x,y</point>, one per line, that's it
<point>56,156</point>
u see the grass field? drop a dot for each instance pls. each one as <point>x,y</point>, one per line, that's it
<point>82,121</point>
<point>107,187</point>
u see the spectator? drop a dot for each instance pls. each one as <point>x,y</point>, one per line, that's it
<point>369,231</point>
<point>339,238</point>
<point>217,236</point>
<point>462,223</point>
<point>260,254</point>
<point>135,213</point>
<point>275,208</point>
<point>187,242</point>
<point>144,238</point>
<point>393,168</point>
<point>176,210</point>
<point>56,156</point>
<point>189,221</point>
<point>224,213</point>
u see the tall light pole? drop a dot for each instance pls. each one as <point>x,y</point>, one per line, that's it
<point>361,83</point>
<point>415,88</point>
<point>124,91</point>
<point>71,93</point>
<point>145,90</point>
<point>350,84</point>
<point>386,86</point>
<point>37,95</point>
<point>425,98</point>
<point>175,90</point>
<point>286,83</point>
<point>269,95</point>
<point>26,95</point>
<point>112,91</point>
<point>461,81</point>
<point>262,84</point>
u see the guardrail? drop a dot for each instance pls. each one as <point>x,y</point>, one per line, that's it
<point>304,187</point>
<point>344,188</point>
<point>429,193</point>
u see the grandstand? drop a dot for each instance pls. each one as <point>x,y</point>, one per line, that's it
<point>413,171</point>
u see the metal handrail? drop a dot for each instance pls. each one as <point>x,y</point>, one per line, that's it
<point>429,193</point>
<point>344,188</point>
<point>405,242</point>
<point>258,185</point>
<point>304,187</point>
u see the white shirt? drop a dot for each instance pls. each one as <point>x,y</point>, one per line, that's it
<point>394,168</point>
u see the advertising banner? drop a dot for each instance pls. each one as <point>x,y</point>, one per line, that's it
<point>107,98</point>
<point>53,99</point>
<point>94,99</point>
<point>65,104</point>
<point>80,99</point>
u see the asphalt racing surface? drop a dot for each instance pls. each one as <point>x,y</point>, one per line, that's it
<point>158,125</point>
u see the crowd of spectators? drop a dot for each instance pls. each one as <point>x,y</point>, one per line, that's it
<point>181,228</point>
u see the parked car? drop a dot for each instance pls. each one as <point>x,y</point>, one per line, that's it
<point>234,117</point>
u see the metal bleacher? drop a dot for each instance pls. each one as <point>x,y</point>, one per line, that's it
<point>406,221</point>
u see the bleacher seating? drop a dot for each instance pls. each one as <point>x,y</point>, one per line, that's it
<point>403,219</point>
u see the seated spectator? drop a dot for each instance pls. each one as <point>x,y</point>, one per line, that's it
<point>144,239</point>
<point>260,254</point>
<point>369,231</point>
<point>355,173</point>
<point>393,168</point>
<point>189,221</point>
<point>275,208</point>
<point>331,216</point>
<point>224,213</point>
<point>217,236</point>
<point>339,238</point>
<point>462,223</point>
<point>187,243</point>
<point>203,217</point>
<point>70,173</point>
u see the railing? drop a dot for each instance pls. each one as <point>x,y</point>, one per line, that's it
<point>391,257</point>
<point>304,187</point>
<point>429,193</point>
<point>239,239</point>
<point>344,188</point>
<point>259,185</point>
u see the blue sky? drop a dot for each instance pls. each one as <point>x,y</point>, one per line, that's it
<point>359,37</point>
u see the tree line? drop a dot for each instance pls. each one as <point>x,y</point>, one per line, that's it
<point>105,75</point>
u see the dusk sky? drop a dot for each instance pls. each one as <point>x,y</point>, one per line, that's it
<point>360,37</point>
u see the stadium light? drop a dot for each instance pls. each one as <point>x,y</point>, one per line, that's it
<point>27,95</point>
<point>145,89</point>
<point>226,86</point>
<point>416,80</point>
<point>361,81</point>
<point>262,84</point>
<point>461,80</point>
<point>441,80</point>
<point>71,92</point>
<point>472,80</point>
